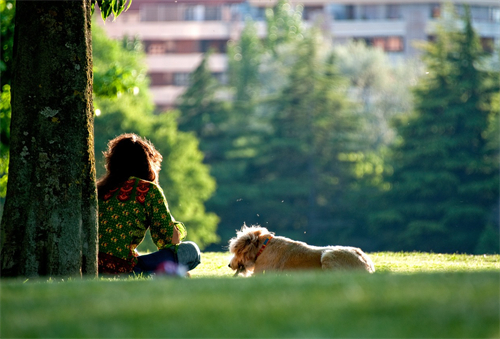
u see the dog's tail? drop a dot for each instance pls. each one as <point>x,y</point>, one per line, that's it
<point>346,258</point>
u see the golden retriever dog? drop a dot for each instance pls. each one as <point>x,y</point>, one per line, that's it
<point>256,250</point>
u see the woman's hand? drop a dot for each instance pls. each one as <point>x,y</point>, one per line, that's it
<point>176,237</point>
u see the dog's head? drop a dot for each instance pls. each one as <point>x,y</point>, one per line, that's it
<point>245,247</point>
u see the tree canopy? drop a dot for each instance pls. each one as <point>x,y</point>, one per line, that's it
<point>444,188</point>
<point>331,145</point>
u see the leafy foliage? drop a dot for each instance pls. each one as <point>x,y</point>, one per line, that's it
<point>298,161</point>
<point>279,143</point>
<point>184,179</point>
<point>5,112</point>
<point>123,102</point>
<point>7,12</point>
<point>111,7</point>
<point>305,145</point>
<point>112,82</point>
<point>445,181</point>
<point>380,87</point>
<point>284,25</point>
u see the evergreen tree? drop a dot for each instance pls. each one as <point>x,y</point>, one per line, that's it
<point>289,123</point>
<point>184,178</point>
<point>244,58</point>
<point>381,88</point>
<point>297,169</point>
<point>445,181</point>
<point>255,78</point>
<point>284,25</point>
<point>202,113</point>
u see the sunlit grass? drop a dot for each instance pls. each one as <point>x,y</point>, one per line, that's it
<point>215,264</point>
<point>417,295</point>
<point>414,262</point>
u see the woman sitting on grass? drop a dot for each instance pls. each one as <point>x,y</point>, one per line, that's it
<point>130,202</point>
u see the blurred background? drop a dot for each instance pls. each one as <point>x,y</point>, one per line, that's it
<point>364,123</point>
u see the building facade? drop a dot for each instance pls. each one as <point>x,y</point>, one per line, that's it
<point>176,33</point>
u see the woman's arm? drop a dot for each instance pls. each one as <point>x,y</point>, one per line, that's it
<point>165,230</point>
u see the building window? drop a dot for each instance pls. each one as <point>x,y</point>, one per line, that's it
<point>394,44</point>
<point>149,13</point>
<point>187,46</point>
<point>483,13</point>
<point>181,79</point>
<point>488,45</point>
<point>159,12</point>
<point>388,44</point>
<point>159,47</point>
<point>190,13</point>
<point>370,12</point>
<point>435,11</point>
<point>479,13</point>
<point>218,46</point>
<point>342,12</point>
<point>393,12</point>
<point>179,12</point>
<point>258,14</point>
<point>221,77</point>
<point>169,13</point>
<point>160,79</point>
<point>156,48</point>
<point>310,12</point>
<point>213,13</point>
<point>495,14</point>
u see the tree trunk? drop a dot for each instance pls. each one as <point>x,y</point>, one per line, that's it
<point>49,226</point>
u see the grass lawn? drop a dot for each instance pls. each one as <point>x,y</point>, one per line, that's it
<point>412,295</point>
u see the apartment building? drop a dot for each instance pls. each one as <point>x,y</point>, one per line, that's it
<point>176,33</point>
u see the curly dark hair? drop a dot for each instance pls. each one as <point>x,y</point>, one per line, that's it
<point>129,155</point>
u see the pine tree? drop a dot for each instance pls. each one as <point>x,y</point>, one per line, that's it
<point>284,25</point>
<point>297,168</point>
<point>244,58</point>
<point>202,113</point>
<point>445,181</point>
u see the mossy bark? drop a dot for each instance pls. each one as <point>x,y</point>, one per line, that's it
<point>49,225</point>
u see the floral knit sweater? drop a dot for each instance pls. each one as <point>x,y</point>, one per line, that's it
<point>125,214</point>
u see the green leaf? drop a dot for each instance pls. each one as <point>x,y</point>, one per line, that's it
<point>115,7</point>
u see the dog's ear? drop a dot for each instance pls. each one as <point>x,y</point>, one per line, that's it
<point>244,242</point>
<point>245,245</point>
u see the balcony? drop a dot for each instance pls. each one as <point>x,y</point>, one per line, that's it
<point>362,28</point>
<point>165,96</point>
<point>184,62</point>
<point>174,30</point>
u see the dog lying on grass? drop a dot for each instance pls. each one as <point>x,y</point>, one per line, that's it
<point>256,250</point>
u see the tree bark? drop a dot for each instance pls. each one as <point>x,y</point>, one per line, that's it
<point>49,225</point>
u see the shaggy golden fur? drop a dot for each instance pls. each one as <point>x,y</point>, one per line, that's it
<point>282,253</point>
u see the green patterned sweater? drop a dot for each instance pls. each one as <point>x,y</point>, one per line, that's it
<point>125,214</point>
